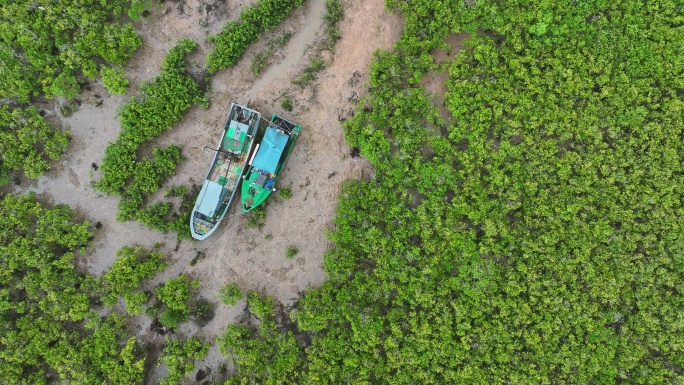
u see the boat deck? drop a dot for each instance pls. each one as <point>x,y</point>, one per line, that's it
<point>202,226</point>
<point>227,171</point>
<point>268,162</point>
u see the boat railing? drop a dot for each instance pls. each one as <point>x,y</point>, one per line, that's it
<point>283,125</point>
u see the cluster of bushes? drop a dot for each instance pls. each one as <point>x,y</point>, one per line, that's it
<point>232,42</point>
<point>132,267</point>
<point>27,141</point>
<point>45,46</point>
<point>114,80</point>
<point>230,294</point>
<point>51,330</point>
<point>125,172</point>
<point>48,325</point>
<point>264,354</point>
<point>46,49</point>
<point>173,301</point>
<point>179,358</point>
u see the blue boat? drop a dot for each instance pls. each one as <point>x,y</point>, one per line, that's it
<point>225,171</point>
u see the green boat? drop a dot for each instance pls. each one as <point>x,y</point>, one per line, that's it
<point>225,171</point>
<point>268,162</point>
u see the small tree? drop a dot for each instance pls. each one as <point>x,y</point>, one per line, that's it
<point>291,251</point>
<point>230,294</point>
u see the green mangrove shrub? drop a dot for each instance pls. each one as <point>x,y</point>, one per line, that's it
<point>50,331</point>
<point>179,358</point>
<point>27,142</point>
<point>162,103</point>
<point>133,266</point>
<point>46,46</point>
<point>232,42</point>
<point>114,79</point>
<point>174,301</point>
<point>230,294</point>
<point>264,354</point>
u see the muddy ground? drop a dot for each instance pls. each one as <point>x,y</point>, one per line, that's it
<point>321,161</point>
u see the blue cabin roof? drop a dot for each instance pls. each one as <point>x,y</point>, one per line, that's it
<point>210,198</point>
<point>270,151</point>
<point>235,136</point>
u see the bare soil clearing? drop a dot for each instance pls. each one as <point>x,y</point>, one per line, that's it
<point>320,162</point>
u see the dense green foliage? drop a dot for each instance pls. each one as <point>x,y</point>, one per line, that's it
<point>179,358</point>
<point>132,267</point>
<point>125,172</point>
<point>27,142</point>
<point>107,351</point>
<point>232,42</point>
<point>46,45</point>
<point>47,327</point>
<point>265,354</point>
<point>528,233</point>
<point>50,330</point>
<point>114,79</point>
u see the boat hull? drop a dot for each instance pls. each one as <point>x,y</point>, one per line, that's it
<point>268,162</point>
<point>225,172</point>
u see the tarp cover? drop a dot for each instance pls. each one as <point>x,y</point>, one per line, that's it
<point>236,135</point>
<point>210,197</point>
<point>272,147</point>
